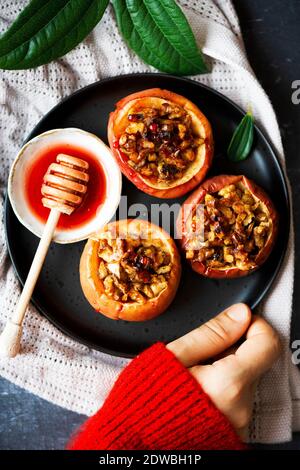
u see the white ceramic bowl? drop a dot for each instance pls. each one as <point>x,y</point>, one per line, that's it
<point>80,138</point>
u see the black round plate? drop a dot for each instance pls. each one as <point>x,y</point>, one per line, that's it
<point>58,293</point>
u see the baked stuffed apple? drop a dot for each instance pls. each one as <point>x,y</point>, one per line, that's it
<point>227,227</point>
<point>162,142</point>
<point>130,270</point>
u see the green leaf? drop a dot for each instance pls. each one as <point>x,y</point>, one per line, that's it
<point>133,38</point>
<point>160,35</point>
<point>46,30</point>
<point>242,139</point>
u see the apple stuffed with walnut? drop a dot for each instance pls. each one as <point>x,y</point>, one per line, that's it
<point>130,270</point>
<point>162,142</point>
<point>240,227</point>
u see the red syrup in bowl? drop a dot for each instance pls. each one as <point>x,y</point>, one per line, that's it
<point>93,199</point>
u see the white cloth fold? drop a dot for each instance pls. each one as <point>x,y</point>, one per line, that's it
<point>52,365</point>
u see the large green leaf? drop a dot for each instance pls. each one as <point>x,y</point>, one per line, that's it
<point>133,38</point>
<point>48,29</point>
<point>159,33</point>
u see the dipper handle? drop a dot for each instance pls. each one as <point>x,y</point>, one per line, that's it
<point>63,189</point>
<point>11,335</point>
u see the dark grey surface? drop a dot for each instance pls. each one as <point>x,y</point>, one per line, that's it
<point>271,33</point>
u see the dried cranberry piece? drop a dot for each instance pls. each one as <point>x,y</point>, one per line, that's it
<point>144,276</point>
<point>143,262</point>
<point>135,117</point>
<point>153,127</point>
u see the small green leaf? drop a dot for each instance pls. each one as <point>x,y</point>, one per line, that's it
<point>160,35</point>
<point>46,30</point>
<point>242,139</point>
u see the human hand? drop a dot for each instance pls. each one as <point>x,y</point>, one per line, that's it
<point>227,373</point>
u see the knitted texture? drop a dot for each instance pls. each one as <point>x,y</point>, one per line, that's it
<point>157,404</point>
<point>52,365</point>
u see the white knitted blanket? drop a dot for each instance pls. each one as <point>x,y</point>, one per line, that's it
<point>52,365</point>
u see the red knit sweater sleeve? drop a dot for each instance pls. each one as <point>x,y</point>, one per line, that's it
<point>156,404</point>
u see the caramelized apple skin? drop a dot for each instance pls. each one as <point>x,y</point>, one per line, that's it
<point>93,284</point>
<point>118,121</point>
<point>212,187</point>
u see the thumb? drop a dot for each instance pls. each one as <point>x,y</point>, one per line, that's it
<point>212,337</point>
<point>260,350</point>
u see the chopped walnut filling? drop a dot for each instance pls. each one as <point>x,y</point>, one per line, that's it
<point>133,270</point>
<point>159,142</point>
<point>236,228</point>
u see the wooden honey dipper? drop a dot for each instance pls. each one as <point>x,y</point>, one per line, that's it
<point>64,186</point>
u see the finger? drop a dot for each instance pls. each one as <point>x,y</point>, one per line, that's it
<point>225,384</point>
<point>228,352</point>
<point>213,337</point>
<point>260,350</point>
